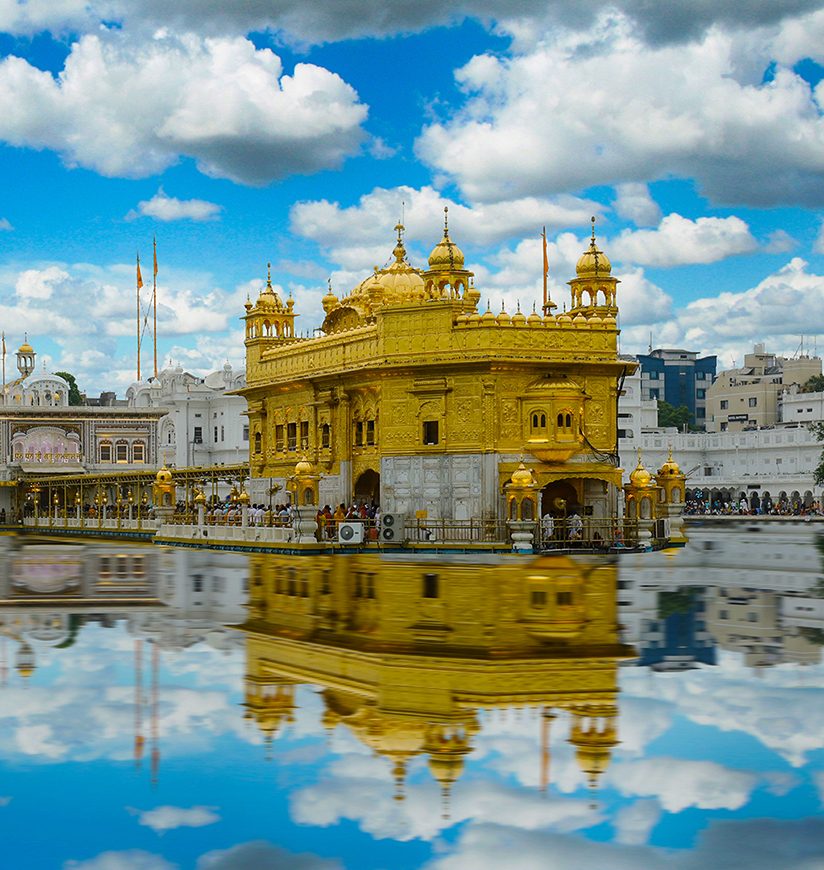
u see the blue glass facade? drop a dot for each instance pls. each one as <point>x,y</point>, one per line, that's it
<point>679,377</point>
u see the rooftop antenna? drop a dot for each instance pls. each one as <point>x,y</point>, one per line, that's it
<point>650,341</point>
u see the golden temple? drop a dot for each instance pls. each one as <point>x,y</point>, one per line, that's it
<point>408,653</point>
<point>412,396</point>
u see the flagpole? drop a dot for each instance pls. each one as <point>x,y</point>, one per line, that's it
<point>4,368</point>
<point>546,270</point>
<point>154,301</point>
<point>139,283</point>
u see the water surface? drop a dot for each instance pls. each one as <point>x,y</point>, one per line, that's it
<point>185,709</point>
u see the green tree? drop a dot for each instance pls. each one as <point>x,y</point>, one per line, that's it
<point>814,385</point>
<point>818,472</point>
<point>74,393</point>
<point>669,415</point>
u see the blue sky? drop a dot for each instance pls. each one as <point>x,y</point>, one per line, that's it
<point>294,133</point>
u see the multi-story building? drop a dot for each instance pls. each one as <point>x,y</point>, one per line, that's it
<point>636,414</point>
<point>679,377</point>
<point>416,397</point>
<point>40,434</point>
<point>203,423</point>
<point>748,397</point>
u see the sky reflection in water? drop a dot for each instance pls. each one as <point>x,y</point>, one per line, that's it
<point>358,713</point>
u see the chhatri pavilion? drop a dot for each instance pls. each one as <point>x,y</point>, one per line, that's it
<point>413,396</point>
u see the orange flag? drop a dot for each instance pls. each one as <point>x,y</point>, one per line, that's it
<point>139,276</point>
<point>154,250</point>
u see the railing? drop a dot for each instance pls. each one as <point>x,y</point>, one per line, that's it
<point>223,532</point>
<point>590,533</point>
<point>109,524</point>
<point>436,531</point>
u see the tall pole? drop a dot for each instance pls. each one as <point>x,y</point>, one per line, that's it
<point>138,702</point>
<point>139,285</point>
<point>155,724</point>
<point>545,270</point>
<point>4,368</point>
<point>154,301</point>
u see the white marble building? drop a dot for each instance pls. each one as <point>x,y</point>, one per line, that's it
<point>204,424</point>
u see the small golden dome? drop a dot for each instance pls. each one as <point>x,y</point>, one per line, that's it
<point>463,317</point>
<point>579,319</point>
<point>25,348</point>
<point>304,467</point>
<point>475,317</point>
<point>563,317</point>
<point>446,255</point>
<point>503,318</point>
<point>200,498</point>
<point>243,498</point>
<point>670,467</point>
<point>593,263</point>
<point>640,477</point>
<point>488,316</point>
<point>518,318</point>
<point>534,319</point>
<point>522,477</point>
<point>163,476</point>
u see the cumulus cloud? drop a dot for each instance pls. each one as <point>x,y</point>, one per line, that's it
<point>779,242</point>
<point>818,244</point>
<point>321,21</point>
<point>634,203</point>
<point>369,223</point>
<point>169,818</point>
<point>132,859</point>
<point>634,823</point>
<point>678,241</point>
<point>168,208</point>
<point>128,108</point>
<point>678,784</point>
<point>260,855</point>
<point>568,114</point>
<point>757,844</point>
<point>189,307</point>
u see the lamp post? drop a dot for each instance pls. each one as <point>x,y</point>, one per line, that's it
<point>130,502</point>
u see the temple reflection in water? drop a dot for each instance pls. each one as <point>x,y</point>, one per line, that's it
<point>409,652</point>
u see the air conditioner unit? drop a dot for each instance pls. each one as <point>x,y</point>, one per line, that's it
<point>392,529</point>
<point>350,533</point>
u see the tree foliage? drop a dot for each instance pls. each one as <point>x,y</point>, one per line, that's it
<point>814,385</point>
<point>74,393</point>
<point>669,415</point>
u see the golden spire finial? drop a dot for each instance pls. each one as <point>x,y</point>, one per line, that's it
<point>268,276</point>
<point>445,802</point>
<point>639,458</point>
<point>592,242</point>
<point>446,221</point>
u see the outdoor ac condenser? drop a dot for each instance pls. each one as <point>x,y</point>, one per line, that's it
<point>392,529</point>
<point>350,533</point>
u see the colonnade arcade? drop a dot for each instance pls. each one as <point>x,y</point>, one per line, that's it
<point>119,495</point>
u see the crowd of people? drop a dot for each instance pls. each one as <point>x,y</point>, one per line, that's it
<point>741,507</point>
<point>329,520</point>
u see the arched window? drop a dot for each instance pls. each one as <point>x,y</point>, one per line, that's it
<point>257,442</point>
<point>564,423</point>
<point>537,423</point>
<point>325,435</point>
<point>106,451</point>
<point>138,452</point>
<point>121,451</point>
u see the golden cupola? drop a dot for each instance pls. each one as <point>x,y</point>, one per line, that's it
<point>270,319</point>
<point>640,477</point>
<point>594,735</point>
<point>594,287</point>
<point>400,282</point>
<point>446,277</point>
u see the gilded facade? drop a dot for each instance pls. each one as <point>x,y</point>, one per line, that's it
<point>408,654</point>
<point>414,396</point>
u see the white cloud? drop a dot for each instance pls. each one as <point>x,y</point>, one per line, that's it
<point>5,225</point>
<point>133,859</point>
<point>129,108</point>
<point>779,242</point>
<point>260,855</point>
<point>678,241</point>
<point>818,244</point>
<point>39,283</point>
<point>38,740</point>
<point>168,208</point>
<point>5,801</point>
<point>634,203</point>
<point>634,823</point>
<point>369,223</point>
<point>168,818</point>
<point>679,784</point>
<point>602,107</point>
